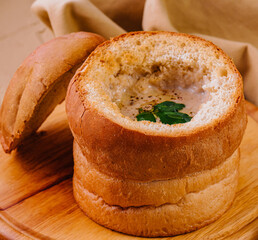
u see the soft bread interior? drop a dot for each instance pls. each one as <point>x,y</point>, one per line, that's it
<point>165,67</point>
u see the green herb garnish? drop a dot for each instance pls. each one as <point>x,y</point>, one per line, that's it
<point>147,116</point>
<point>167,112</point>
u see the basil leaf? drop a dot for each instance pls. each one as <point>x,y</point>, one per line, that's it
<point>168,106</point>
<point>173,117</point>
<point>146,116</point>
<point>167,113</point>
<point>178,115</point>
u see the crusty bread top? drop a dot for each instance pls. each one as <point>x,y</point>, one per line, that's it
<point>40,83</point>
<point>121,147</point>
<point>182,61</point>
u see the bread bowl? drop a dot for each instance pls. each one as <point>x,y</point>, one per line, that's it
<point>40,83</point>
<point>122,150</point>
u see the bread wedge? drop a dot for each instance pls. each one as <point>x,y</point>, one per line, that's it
<point>40,83</point>
<point>149,178</point>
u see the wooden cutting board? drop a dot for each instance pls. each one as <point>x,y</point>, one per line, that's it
<point>36,200</point>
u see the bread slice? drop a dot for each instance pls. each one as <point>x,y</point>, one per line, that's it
<point>155,208</point>
<point>144,63</point>
<point>40,83</point>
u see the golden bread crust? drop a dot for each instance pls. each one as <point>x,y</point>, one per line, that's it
<point>192,211</point>
<point>132,193</point>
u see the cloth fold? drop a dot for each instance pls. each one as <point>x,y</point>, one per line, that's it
<point>232,25</point>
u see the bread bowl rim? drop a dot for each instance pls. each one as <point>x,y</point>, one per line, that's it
<point>176,130</point>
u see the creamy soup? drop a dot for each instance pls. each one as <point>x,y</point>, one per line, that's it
<point>146,87</point>
<point>133,100</point>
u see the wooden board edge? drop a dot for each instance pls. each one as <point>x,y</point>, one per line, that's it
<point>11,229</point>
<point>250,232</point>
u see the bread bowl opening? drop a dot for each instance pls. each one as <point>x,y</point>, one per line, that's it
<point>157,83</point>
<point>144,76</point>
<point>138,71</point>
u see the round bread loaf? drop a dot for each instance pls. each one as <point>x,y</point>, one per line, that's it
<point>148,178</point>
<point>138,63</point>
<point>156,208</point>
<point>132,193</point>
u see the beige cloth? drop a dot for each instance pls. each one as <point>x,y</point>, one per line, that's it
<point>230,24</point>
